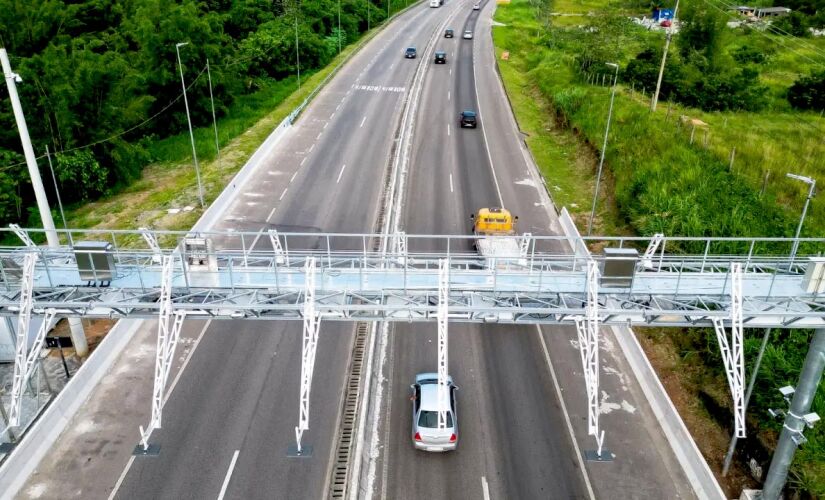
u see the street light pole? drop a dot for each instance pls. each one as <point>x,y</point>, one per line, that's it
<point>655,99</point>
<point>812,186</point>
<point>339,26</point>
<point>214,120</point>
<point>297,56</point>
<point>31,161</point>
<point>189,120</point>
<point>604,148</point>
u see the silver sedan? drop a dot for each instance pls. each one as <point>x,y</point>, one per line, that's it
<point>425,407</point>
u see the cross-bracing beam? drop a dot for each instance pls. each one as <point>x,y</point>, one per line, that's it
<point>647,258</point>
<point>311,325</point>
<point>442,314</point>
<point>401,247</point>
<point>150,239</point>
<point>277,248</point>
<point>167,341</point>
<point>587,329</point>
<point>23,235</point>
<point>732,351</point>
<point>23,361</point>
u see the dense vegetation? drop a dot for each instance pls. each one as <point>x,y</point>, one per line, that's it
<point>101,85</point>
<point>660,179</point>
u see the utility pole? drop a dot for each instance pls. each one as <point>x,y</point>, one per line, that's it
<point>797,417</point>
<point>189,119</point>
<point>214,120</point>
<point>75,325</point>
<point>604,148</point>
<point>12,79</point>
<point>655,99</point>
<point>297,56</point>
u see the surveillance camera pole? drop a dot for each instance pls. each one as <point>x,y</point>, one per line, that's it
<point>28,151</point>
<point>794,423</point>
<point>655,99</point>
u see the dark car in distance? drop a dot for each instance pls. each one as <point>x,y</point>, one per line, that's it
<point>468,119</point>
<point>440,57</point>
<point>410,53</point>
<point>448,33</point>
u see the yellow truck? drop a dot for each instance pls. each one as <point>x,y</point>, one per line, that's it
<point>495,231</point>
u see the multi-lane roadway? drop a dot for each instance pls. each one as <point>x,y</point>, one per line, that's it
<point>230,415</point>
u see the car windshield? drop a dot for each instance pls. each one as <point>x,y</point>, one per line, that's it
<point>410,49</point>
<point>429,419</point>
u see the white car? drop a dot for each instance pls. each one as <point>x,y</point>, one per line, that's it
<point>425,408</point>
<point>468,35</point>
<point>476,6</point>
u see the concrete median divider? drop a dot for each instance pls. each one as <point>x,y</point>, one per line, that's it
<point>694,465</point>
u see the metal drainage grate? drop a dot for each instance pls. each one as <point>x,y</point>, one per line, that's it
<point>346,433</point>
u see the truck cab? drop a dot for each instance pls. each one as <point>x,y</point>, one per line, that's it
<point>494,222</point>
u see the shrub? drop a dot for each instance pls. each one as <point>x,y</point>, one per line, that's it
<point>808,92</point>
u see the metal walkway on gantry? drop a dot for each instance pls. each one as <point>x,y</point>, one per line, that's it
<point>724,283</point>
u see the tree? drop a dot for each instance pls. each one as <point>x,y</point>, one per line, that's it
<point>701,34</point>
<point>808,92</point>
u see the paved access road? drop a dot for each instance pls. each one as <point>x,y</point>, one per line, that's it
<point>232,412</point>
<point>521,403</point>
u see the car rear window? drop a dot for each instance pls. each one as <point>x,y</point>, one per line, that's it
<point>429,419</point>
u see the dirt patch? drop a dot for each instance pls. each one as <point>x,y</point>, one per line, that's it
<point>95,330</point>
<point>687,383</point>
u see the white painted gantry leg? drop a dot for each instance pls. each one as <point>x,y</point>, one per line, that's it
<point>312,324</point>
<point>587,329</point>
<point>167,342</point>
<point>149,237</point>
<point>733,354</point>
<point>442,316</point>
<point>23,361</point>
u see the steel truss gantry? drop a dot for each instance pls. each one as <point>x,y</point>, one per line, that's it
<point>732,350</point>
<point>587,328</point>
<point>443,322</point>
<point>169,326</point>
<point>310,277</point>
<point>312,324</point>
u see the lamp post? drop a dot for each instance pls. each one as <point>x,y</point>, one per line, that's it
<point>812,186</point>
<point>189,120</point>
<point>339,26</point>
<point>604,147</point>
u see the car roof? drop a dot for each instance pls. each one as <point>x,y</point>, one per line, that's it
<point>429,397</point>
<point>467,112</point>
<point>440,52</point>
<point>410,48</point>
<point>449,29</point>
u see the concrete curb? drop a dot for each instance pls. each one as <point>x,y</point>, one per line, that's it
<point>696,469</point>
<point>50,424</point>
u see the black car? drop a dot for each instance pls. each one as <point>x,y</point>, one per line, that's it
<point>440,57</point>
<point>448,33</point>
<point>410,53</point>
<point>468,119</point>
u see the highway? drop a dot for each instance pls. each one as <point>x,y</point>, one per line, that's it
<point>230,415</point>
<point>240,391</point>
<point>518,439</point>
<point>508,411</point>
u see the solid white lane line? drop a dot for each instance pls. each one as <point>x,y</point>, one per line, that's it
<point>271,213</point>
<point>451,183</point>
<point>302,164</point>
<point>293,175</point>
<point>485,489</point>
<point>341,173</point>
<point>283,194</point>
<point>566,415</point>
<point>228,475</point>
<point>362,122</point>
<point>121,478</point>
